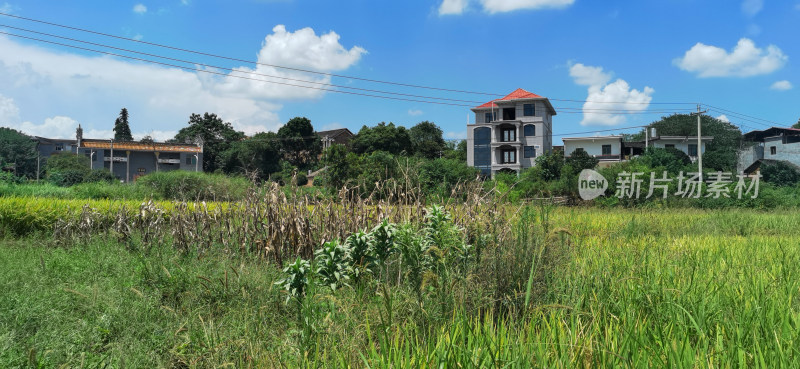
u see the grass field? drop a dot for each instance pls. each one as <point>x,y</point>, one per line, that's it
<point>561,287</point>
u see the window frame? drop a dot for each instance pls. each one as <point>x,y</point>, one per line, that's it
<point>508,154</point>
<point>529,152</point>
<point>603,149</point>
<point>525,130</point>
<point>773,150</point>
<point>512,137</point>
<point>525,110</point>
<point>689,149</point>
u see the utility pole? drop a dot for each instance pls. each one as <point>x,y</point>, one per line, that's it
<point>699,143</point>
<point>111,165</point>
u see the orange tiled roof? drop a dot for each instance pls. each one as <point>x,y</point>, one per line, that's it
<point>517,94</point>
<point>140,146</point>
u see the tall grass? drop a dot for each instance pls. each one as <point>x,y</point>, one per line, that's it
<point>473,284</point>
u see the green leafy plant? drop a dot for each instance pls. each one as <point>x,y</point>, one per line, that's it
<point>297,279</point>
<point>333,264</point>
<point>361,256</point>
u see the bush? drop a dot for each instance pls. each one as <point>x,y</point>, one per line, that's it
<point>186,186</point>
<point>100,175</point>
<point>302,179</point>
<point>67,169</point>
<point>780,174</point>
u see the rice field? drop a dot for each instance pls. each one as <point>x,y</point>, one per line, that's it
<point>479,284</point>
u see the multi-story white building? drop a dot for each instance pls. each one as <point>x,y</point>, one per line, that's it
<point>509,133</point>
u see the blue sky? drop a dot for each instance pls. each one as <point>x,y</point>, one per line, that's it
<point>736,55</point>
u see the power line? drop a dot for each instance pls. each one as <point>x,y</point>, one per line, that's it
<point>728,111</point>
<point>299,86</point>
<point>620,111</point>
<point>245,61</point>
<point>306,70</point>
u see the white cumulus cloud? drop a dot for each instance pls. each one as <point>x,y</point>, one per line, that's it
<point>300,49</point>
<point>414,112</point>
<point>501,6</point>
<point>782,85</point>
<point>588,76</point>
<point>92,89</point>
<point>139,9</point>
<point>448,7</point>
<point>605,100</point>
<point>752,7</point>
<point>723,118</point>
<point>744,60</point>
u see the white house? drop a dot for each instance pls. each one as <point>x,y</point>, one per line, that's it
<point>604,148</point>
<point>614,149</point>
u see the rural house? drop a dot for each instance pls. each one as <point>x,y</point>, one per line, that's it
<point>510,132</point>
<point>126,160</point>
<point>341,136</point>
<point>770,145</point>
<point>611,149</point>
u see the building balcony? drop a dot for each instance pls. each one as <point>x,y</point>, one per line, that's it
<point>513,166</point>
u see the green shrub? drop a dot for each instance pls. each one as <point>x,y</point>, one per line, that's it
<point>187,186</point>
<point>780,174</point>
<point>100,175</point>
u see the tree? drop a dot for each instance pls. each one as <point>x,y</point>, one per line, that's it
<point>259,154</point>
<point>580,160</point>
<point>796,125</point>
<point>426,140</point>
<point>342,166</point>
<point>215,135</point>
<point>548,166</point>
<point>299,143</point>
<point>672,159</point>
<point>147,140</point>
<point>17,152</point>
<point>382,137</point>
<point>122,131</point>
<point>720,153</point>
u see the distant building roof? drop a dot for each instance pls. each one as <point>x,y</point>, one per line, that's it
<point>752,168</point>
<point>333,133</point>
<point>518,94</point>
<point>591,138</point>
<point>140,146</point>
<point>760,135</point>
<point>45,140</point>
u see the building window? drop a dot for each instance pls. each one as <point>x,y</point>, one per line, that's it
<point>669,146</point>
<point>528,110</point>
<point>487,118</point>
<point>509,114</point>
<point>59,147</point>
<point>529,130</point>
<point>530,152</point>
<point>692,149</point>
<point>773,150</point>
<point>606,149</point>
<point>188,159</point>
<point>509,156</point>
<point>509,135</point>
